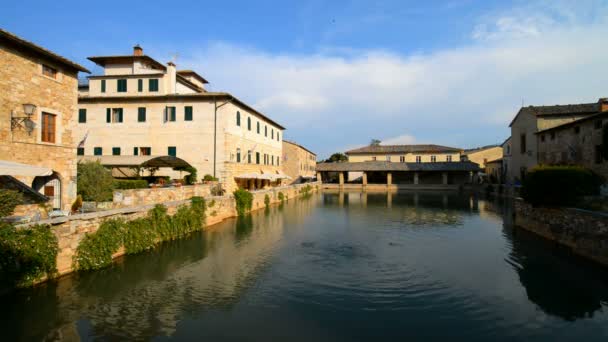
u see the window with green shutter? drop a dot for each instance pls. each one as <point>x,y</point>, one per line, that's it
<point>108,115</point>
<point>140,85</point>
<point>135,151</point>
<point>265,130</point>
<point>97,151</point>
<point>249,123</point>
<point>238,118</point>
<point>258,127</point>
<point>188,113</point>
<point>114,115</point>
<point>172,151</point>
<point>141,114</point>
<point>169,114</point>
<point>257,157</point>
<point>82,115</point>
<point>80,151</point>
<point>121,85</point>
<point>153,84</point>
<point>103,86</point>
<point>115,151</point>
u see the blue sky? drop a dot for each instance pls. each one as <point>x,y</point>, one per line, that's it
<point>338,73</point>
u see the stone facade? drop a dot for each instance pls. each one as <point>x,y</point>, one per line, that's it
<point>22,81</point>
<point>298,162</point>
<point>584,232</point>
<point>137,197</point>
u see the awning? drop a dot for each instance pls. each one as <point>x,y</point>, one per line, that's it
<point>133,161</point>
<point>8,168</point>
<point>266,176</point>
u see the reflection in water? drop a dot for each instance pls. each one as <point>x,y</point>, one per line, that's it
<point>419,265</point>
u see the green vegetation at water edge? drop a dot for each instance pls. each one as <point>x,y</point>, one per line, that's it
<point>243,200</point>
<point>559,185</point>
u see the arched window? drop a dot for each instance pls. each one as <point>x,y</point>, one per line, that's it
<point>238,118</point>
<point>249,123</point>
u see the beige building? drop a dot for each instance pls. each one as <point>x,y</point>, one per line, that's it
<point>38,102</point>
<point>405,154</point>
<point>299,163</point>
<point>576,143</point>
<point>529,120</point>
<point>482,155</point>
<point>493,170</point>
<point>139,106</point>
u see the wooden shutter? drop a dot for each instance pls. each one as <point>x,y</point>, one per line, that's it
<point>108,115</point>
<point>135,151</point>
<point>140,85</point>
<point>119,114</point>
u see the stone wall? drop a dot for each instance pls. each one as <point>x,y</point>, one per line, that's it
<point>137,197</point>
<point>584,232</point>
<point>297,161</point>
<point>70,230</point>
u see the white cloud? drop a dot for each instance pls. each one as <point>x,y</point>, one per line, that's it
<point>462,96</point>
<point>404,139</point>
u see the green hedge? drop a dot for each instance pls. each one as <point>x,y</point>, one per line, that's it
<point>125,184</point>
<point>9,199</point>
<point>243,200</point>
<point>559,185</point>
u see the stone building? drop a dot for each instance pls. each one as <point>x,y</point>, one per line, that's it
<point>493,170</point>
<point>482,155</point>
<point>139,106</point>
<point>579,142</point>
<point>529,120</point>
<point>38,102</point>
<point>299,163</point>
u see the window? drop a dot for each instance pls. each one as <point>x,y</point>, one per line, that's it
<point>249,124</point>
<point>115,151</point>
<point>153,84</point>
<point>103,86</point>
<point>238,155</point>
<point>141,114</point>
<point>522,143</point>
<point>257,157</point>
<point>265,130</point>
<point>374,158</point>
<point>172,151</point>
<point>433,159</point>
<point>598,154</point>
<point>169,114</point>
<point>188,113</point>
<point>418,159</point>
<point>135,151</point>
<point>48,128</point>
<point>140,85</point>
<point>402,159</point>
<point>278,133</point>
<point>145,151</point>
<point>542,138</point>
<point>238,118</point>
<point>577,129</point>
<point>272,133</point>
<point>114,115</point>
<point>278,163</point>
<point>258,127</point>
<point>97,151</point>
<point>597,124</point>
<point>82,115</point>
<point>80,151</point>
<point>49,71</point>
<point>448,158</point>
<point>249,156</point>
<point>121,85</point>
<point>272,160</point>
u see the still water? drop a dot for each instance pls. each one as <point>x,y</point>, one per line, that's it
<point>332,267</point>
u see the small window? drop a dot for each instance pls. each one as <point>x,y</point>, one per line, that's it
<point>145,151</point>
<point>140,85</point>
<point>48,128</point>
<point>278,162</point>
<point>97,151</point>
<point>418,159</point>
<point>257,157</point>
<point>598,154</point>
<point>103,86</point>
<point>121,85</point>
<point>272,160</point>
<point>82,115</point>
<point>141,114</point>
<point>278,138</point>
<point>238,118</point>
<point>49,71</point>
<point>249,123</point>
<point>114,115</point>
<point>135,151</point>
<point>80,151</point>
<point>238,155</point>
<point>115,151</point>
<point>448,158</point>
<point>265,130</point>
<point>170,114</point>
<point>249,156</point>
<point>258,127</point>
<point>188,113</point>
<point>402,159</point>
<point>577,129</point>
<point>153,84</point>
<point>597,124</point>
<point>272,134</point>
<point>522,143</point>
<point>374,158</point>
<point>172,151</point>
<point>433,159</point>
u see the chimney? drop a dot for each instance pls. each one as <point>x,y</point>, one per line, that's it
<point>604,104</point>
<point>138,51</point>
<point>172,79</point>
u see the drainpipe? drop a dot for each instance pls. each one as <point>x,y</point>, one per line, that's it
<point>216,107</point>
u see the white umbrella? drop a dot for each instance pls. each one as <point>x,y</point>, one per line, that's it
<point>8,168</point>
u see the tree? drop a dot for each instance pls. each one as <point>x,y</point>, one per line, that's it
<point>95,182</point>
<point>375,142</point>
<point>337,157</point>
<point>9,199</point>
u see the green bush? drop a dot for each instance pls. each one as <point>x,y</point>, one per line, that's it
<point>281,196</point>
<point>27,255</point>
<point>96,249</point>
<point>244,201</point>
<point>267,201</point>
<point>559,185</point>
<point>9,199</point>
<point>77,205</point>
<point>209,178</point>
<point>125,184</point>
<point>191,177</point>
<point>95,182</point>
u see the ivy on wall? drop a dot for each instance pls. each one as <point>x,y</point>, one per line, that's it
<point>243,200</point>
<point>95,251</point>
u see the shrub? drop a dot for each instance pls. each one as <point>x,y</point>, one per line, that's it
<point>77,204</point>
<point>125,184</point>
<point>559,185</point>
<point>190,178</point>
<point>9,199</point>
<point>96,249</point>
<point>281,196</point>
<point>209,178</point>
<point>267,201</point>
<point>243,200</point>
<point>95,182</point>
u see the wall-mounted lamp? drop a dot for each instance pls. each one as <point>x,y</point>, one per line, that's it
<point>24,121</point>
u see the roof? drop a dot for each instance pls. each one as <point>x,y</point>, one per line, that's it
<point>382,149</point>
<point>144,161</point>
<point>6,36</point>
<point>506,141</point>
<point>300,146</point>
<point>11,183</point>
<point>193,74</point>
<point>188,83</point>
<point>207,96</point>
<point>575,122</point>
<point>103,60</point>
<point>479,149</point>
<point>9,168</point>
<point>569,109</point>
<point>388,166</point>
